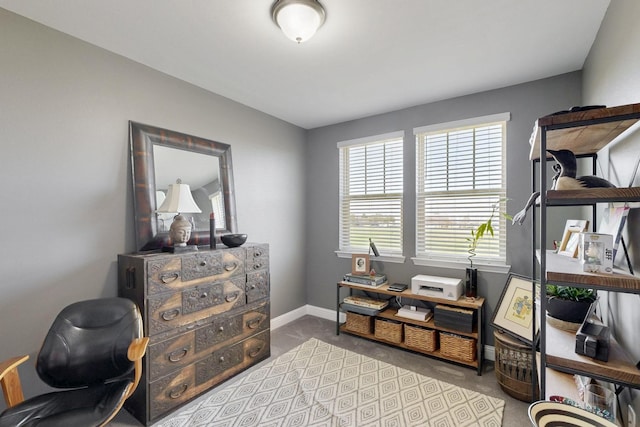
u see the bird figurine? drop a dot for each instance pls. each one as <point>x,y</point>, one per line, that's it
<point>567,179</point>
<point>563,179</point>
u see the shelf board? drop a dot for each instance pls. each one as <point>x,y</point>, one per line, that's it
<point>561,356</point>
<point>583,132</point>
<point>384,289</point>
<point>391,314</point>
<point>566,270</point>
<point>592,196</point>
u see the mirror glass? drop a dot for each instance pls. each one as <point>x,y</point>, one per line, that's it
<point>159,157</point>
<point>201,173</point>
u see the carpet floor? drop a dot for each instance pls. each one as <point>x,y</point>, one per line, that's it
<point>319,384</point>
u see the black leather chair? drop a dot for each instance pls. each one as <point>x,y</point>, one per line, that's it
<point>94,351</point>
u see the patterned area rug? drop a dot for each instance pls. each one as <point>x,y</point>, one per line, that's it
<point>318,384</point>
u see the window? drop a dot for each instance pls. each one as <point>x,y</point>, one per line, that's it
<point>460,177</point>
<point>371,193</point>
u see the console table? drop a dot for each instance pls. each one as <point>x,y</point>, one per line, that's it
<point>476,305</point>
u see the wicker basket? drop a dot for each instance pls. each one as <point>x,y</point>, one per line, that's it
<point>457,347</point>
<point>359,323</point>
<point>420,338</point>
<point>388,330</point>
<point>514,367</point>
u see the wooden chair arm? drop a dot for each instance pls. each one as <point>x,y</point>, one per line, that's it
<point>10,380</point>
<point>137,349</point>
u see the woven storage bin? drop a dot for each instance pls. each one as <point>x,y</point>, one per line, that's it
<point>359,323</point>
<point>457,347</point>
<point>420,338</point>
<point>514,367</point>
<point>388,330</point>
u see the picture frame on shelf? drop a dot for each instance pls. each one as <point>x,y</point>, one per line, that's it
<point>571,237</point>
<point>360,264</point>
<point>612,222</point>
<point>514,313</point>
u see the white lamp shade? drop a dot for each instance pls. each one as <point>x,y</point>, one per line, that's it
<point>179,200</point>
<point>299,20</point>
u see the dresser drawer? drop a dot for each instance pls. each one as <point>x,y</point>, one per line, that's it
<point>169,311</point>
<point>257,258</point>
<point>175,353</point>
<point>241,325</point>
<point>257,285</point>
<point>179,387</point>
<point>171,273</point>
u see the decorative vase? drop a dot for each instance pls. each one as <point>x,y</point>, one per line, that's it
<point>471,282</point>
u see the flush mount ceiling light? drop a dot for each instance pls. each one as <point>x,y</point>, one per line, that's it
<point>298,19</point>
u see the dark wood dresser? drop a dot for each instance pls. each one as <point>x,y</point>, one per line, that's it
<point>207,316</point>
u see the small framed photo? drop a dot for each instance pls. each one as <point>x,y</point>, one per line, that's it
<point>514,312</point>
<point>360,264</point>
<point>571,237</point>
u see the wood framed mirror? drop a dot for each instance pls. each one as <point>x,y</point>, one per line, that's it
<point>158,158</point>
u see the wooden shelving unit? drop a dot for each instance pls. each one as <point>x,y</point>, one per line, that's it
<point>390,314</point>
<point>584,133</point>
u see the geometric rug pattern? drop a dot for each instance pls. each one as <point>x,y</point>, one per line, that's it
<point>318,384</point>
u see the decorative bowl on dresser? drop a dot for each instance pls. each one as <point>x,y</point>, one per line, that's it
<point>207,316</point>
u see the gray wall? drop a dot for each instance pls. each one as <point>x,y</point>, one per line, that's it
<point>611,77</point>
<point>526,103</point>
<point>66,177</point>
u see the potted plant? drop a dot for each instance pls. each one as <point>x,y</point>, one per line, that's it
<point>568,303</point>
<point>471,273</point>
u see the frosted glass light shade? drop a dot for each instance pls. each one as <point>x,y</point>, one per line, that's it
<point>298,19</point>
<point>179,200</point>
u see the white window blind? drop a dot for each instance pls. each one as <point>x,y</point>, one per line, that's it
<point>460,177</point>
<point>371,190</point>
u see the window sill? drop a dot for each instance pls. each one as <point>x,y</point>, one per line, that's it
<point>397,259</point>
<point>459,265</point>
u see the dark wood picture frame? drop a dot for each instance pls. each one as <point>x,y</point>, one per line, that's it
<point>142,138</point>
<point>514,314</point>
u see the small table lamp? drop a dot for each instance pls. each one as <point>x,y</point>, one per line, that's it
<point>179,200</point>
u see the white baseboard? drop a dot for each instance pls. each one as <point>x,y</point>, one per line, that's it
<point>325,313</point>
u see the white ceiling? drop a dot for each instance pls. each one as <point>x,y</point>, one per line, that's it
<point>370,57</point>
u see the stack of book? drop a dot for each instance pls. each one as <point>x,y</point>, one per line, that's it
<point>415,313</point>
<point>375,281</point>
<point>363,305</point>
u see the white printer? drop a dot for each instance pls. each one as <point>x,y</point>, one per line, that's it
<point>434,286</point>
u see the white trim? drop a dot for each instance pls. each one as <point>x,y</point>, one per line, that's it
<point>500,117</point>
<point>328,314</point>
<point>449,263</point>
<point>370,139</point>
<point>398,259</point>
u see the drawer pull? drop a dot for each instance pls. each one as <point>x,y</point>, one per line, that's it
<point>175,356</point>
<point>221,329</point>
<point>253,286</point>
<point>170,315</point>
<point>256,351</point>
<point>167,278</point>
<point>176,392</point>
<point>257,266</point>
<point>254,323</point>
<point>231,266</point>
<point>203,263</point>
<point>232,297</point>
<point>257,254</point>
<point>204,295</point>
<point>221,360</point>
